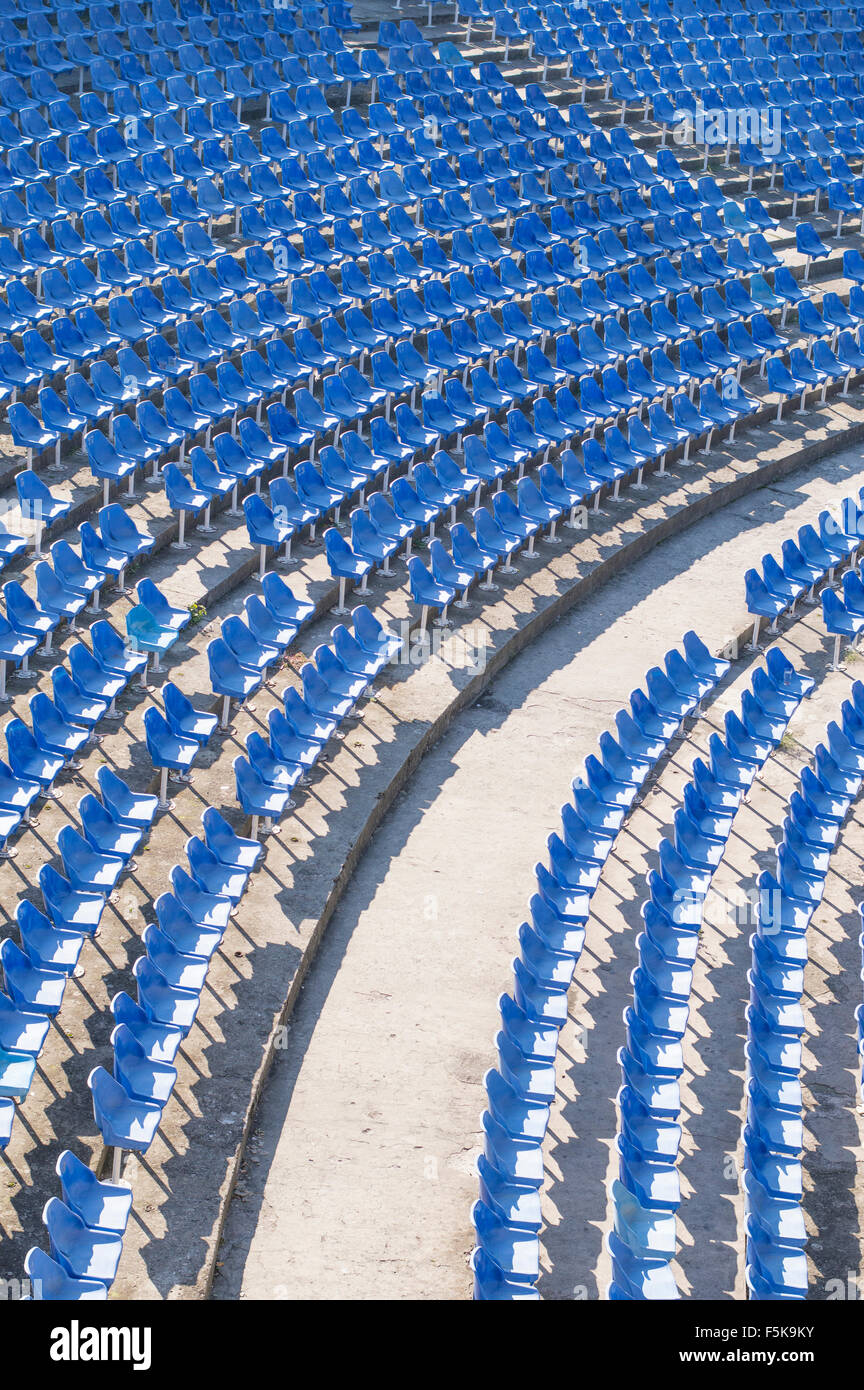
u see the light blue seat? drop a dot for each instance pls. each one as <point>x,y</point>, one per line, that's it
<point>146,634</point>
<point>21,1030</point>
<point>16,1069</point>
<point>638,1277</point>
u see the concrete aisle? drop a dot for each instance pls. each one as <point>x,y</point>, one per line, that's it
<point>360,1177</point>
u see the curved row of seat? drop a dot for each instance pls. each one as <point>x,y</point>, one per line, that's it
<point>776,1266</point>
<point>232,50</point>
<point>85,1229</point>
<point>190,923</point>
<point>507,1217</point>
<point>128,1105</point>
<point>331,685</point>
<point>200,496</point>
<point>87,692</point>
<point>36,972</point>
<point>47,259</point>
<point>203,492</point>
<point>835,353</point>
<point>774,81</point>
<point>646,1194</point>
<point>807,562</point>
<point>94,859</point>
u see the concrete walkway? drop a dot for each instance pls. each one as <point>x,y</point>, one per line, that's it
<point>361,1181</point>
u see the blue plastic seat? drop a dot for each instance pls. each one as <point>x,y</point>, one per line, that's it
<point>164,1003</point>
<point>506,1261</point>
<point>90,870</point>
<point>102,1206</point>
<point>142,1077</point>
<point>52,1282</point>
<point>75,909</point>
<point>228,677</point>
<point>34,989</point>
<point>167,749</point>
<point>124,1122</point>
<point>259,799</point>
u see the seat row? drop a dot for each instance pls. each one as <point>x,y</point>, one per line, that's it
<point>806,562</point>
<point>646,1194</point>
<point>507,1217</point>
<point>86,1243</point>
<point>36,972</point>
<point>191,919</point>
<point>331,684</point>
